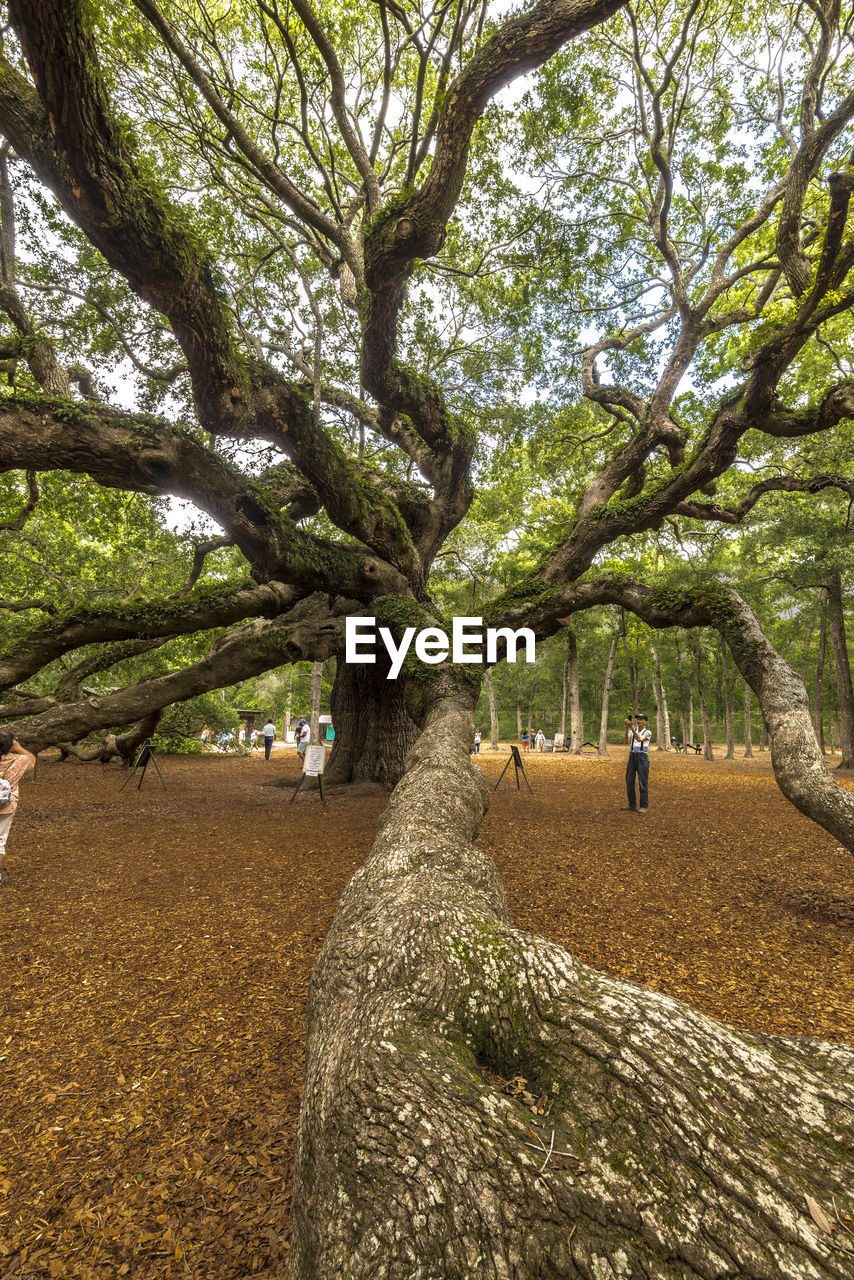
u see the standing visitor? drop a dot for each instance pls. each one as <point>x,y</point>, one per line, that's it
<point>477,742</point>
<point>253,738</point>
<point>269,732</point>
<point>303,735</point>
<point>241,737</point>
<point>15,761</point>
<point>541,740</point>
<point>206,733</point>
<point>638,762</point>
<point>524,739</point>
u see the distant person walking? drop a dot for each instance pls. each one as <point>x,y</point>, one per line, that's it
<point>638,763</point>
<point>269,732</point>
<point>540,740</point>
<point>303,736</point>
<point>477,742</point>
<point>15,761</point>
<point>524,739</point>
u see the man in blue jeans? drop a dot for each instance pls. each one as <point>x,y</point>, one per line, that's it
<point>638,762</point>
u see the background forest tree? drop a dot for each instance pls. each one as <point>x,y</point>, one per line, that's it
<point>321,274</point>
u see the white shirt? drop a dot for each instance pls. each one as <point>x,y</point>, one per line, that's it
<point>304,733</point>
<point>269,730</point>
<point>644,735</point>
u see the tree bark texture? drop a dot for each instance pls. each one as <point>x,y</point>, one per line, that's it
<point>843,670</point>
<point>373,729</point>
<point>748,727</point>
<point>606,695</point>
<point>665,1146</point>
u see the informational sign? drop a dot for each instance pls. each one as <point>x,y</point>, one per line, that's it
<point>315,759</point>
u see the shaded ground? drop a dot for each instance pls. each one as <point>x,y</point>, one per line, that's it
<point>156,950</point>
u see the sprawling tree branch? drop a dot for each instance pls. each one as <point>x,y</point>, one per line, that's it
<point>312,631</point>
<point>204,611</point>
<point>127,453</point>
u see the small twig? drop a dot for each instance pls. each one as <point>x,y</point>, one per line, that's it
<point>549,1155</point>
<point>567,1155</point>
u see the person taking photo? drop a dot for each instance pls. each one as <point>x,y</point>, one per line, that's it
<point>638,736</point>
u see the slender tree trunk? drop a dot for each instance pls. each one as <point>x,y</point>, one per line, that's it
<point>314,713</point>
<point>531,716</point>
<point>708,752</point>
<point>286,715</point>
<point>493,713</point>
<point>680,666</point>
<point>576,723</point>
<point>373,730</point>
<point>633,679</point>
<point>762,735</point>
<point>518,721</point>
<point>748,728</point>
<point>690,715</point>
<point>662,716</point>
<point>843,670</point>
<point>818,696</point>
<point>805,662</point>
<point>565,685</point>
<point>730,709</point>
<point>606,695</point>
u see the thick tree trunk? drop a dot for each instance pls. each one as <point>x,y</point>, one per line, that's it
<point>576,721</point>
<point>818,698</point>
<point>708,751</point>
<point>730,708</point>
<point>493,711</point>
<point>606,695</point>
<point>843,670</point>
<point>316,689</point>
<point>748,728</point>
<point>663,1145</point>
<point>373,729</point>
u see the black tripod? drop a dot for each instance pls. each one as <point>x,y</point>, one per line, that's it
<point>144,756</point>
<point>517,765</point>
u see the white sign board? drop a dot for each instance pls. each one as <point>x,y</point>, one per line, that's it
<point>315,759</point>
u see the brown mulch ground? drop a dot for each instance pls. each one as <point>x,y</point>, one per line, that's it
<point>156,950</point>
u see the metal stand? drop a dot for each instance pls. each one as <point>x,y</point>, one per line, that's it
<point>144,757</point>
<point>517,765</point>
<point>303,777</point>
<point>314,762</point>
